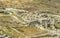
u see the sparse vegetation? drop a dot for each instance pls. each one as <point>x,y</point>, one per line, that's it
<point>13,27</point>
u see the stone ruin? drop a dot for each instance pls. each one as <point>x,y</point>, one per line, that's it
<point>45,21</point>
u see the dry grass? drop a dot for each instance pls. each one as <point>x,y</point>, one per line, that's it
<point>11,32</point>
<point>33,5</point>
<point>30,30</point>
<point>27,31</point>
<point>52,6</point>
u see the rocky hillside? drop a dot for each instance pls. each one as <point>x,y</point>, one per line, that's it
<point>33,5</point>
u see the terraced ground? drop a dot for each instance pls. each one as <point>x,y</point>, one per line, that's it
<point>22,31</point>
<point>12,24</point>
<point>15,29</point>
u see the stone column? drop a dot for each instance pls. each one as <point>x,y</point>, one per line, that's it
<point>52,24</point>
<point>46,25</point>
